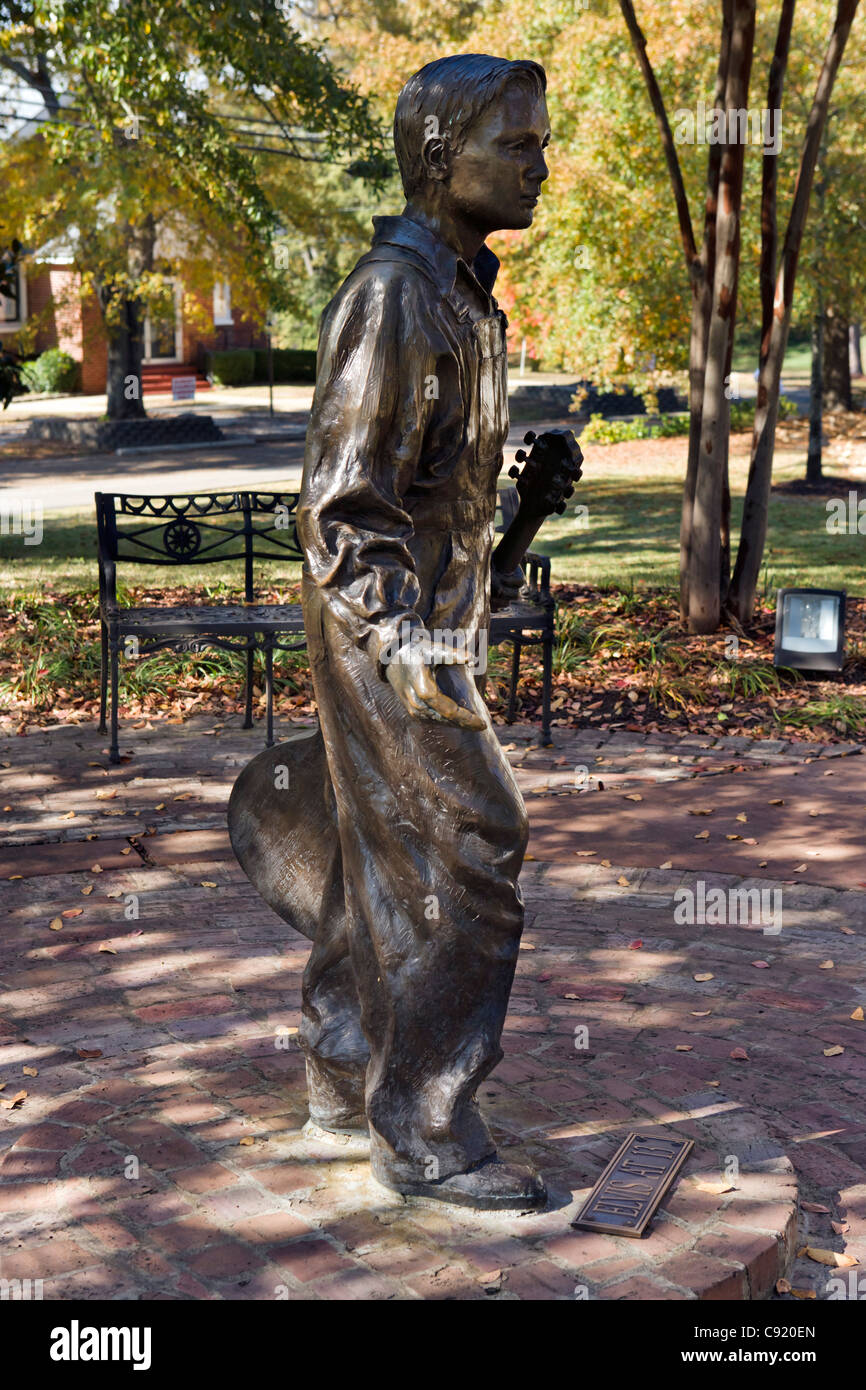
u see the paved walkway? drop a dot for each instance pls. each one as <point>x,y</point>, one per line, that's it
<point>158,1151</point>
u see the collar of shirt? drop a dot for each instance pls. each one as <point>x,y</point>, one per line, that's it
<point>443,261</point>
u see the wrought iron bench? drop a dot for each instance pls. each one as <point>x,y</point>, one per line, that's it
<point>251,526</point>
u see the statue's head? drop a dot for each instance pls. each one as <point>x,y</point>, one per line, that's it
<point>470,132</point>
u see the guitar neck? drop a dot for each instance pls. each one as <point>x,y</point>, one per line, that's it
<point>516,541</point>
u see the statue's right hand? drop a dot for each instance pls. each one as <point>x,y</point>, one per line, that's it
<point>410,673</point>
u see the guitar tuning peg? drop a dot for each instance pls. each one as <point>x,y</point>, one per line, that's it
<point>513,472</point>
<point>559,509</point>
<point>530,437</point>
<point>520,455</point>
<point>569,492</point>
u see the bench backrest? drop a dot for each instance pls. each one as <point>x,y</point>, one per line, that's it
<point>203,528</point>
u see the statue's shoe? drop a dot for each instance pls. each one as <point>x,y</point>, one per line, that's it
<point>490,1186</point>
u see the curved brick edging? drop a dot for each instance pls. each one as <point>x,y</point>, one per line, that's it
<point>209,1217</point>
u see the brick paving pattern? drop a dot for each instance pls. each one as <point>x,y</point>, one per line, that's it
<point>159,1153</point>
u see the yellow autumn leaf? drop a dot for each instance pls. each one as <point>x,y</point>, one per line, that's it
<point>857,1014</point>
<point>828,1257</point>
<point>833,1051</point>
<point>56,924</point>
<point>701,978</point>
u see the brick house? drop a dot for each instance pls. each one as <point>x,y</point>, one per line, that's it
<point>49,301</point>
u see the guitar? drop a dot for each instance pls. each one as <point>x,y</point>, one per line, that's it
<point>546,480</point>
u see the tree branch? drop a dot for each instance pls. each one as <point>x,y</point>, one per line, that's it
<point>639,44</point>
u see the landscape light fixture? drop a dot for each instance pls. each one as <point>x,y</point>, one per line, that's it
<point>810,629</point>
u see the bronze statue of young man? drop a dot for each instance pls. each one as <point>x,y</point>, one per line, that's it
<point>401,852</point>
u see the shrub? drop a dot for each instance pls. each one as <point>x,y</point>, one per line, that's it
<point>290,364</point>
<point>235,367</point>
<point>53,370</point>
<point>601,431</point>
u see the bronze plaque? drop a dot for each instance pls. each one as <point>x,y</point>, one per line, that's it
<point>626,1196</point>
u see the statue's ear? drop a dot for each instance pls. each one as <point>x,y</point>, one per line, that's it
<point>436,157</point>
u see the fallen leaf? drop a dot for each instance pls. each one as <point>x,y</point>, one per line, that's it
<point>526,946</point>
<point>857,1014</point>
<point>749,840</point>
<point>683,1047</point>
<point>247,1140</point>
<point>763,864</point>
<point>56,924</point>
<point>739,1054</point>
<point>668,864</point>
<point>801,868</point>
<point>530,857</point>
<point>72,912</point>
<point>30,1071</point>
<point>85,892</point>
<point>782,1286</point>
<point>633,796</point>
<point>160,807</point>
<point>840,1227</point>
<point>209,883</point>
<point>105,794</point>
<point>585,853</point>
<point>833,1051</point>
<point>109,950</point>
<point>714,1083</point>
<point>777,801</point>
<point>849,931</point>
<point>15,1100</point>
<point>814,813</point>
<point>623,882</point>
<point>70,815</point>
<point>701,1013</point>
<point>701,978</point>
<point>804,1293</point>
<point>742,817</point>
<point>733,837</point>
<point>717,1186</point>
<point>184,796</point>
<point>85,1052</point>
<point>571,996</point>
<point>702,835</point>
<point>826,965</point>
<point>828,1257</point>
<point>635,945</point>
<point>703,811</point>
<point>816,1207</point>
<point>761,964</point>
<point>96,868</point>
<point>605,863</point>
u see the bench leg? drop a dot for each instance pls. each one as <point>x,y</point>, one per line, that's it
<point>248,711</point>
<point>103,679</point>
<point>269,691</point>
<point>515,676</point>
<point>114,650</point>
<point>547,690</point>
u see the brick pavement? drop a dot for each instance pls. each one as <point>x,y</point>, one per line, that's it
<point>159,1152</point>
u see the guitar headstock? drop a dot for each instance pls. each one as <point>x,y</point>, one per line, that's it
<point>549,471</point>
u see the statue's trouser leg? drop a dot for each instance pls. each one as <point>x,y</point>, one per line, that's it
<point>334,1045</point>
<point>433,831</point>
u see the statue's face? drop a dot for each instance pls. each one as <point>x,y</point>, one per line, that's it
<point>495,180</point>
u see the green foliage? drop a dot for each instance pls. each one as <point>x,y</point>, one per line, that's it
<point>290,364</point>
<point>601,431</point>
<point>743,412</point>
<point>236,367</point>
<point>53,370</point>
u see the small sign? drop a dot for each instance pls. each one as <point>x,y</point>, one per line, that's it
<point>183,388</point>
<point>631,1188</point>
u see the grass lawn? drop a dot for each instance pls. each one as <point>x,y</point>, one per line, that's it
<point>631,536</point>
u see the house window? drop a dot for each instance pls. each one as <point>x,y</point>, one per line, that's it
<point>13,308</point>
<point>222,304</point>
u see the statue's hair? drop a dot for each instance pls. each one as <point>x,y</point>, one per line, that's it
<point>456,91</point>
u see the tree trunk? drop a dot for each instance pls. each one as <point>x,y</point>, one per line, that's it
<point>753,531</point>
<point>837,367</point>
<point>814,472</point>
<point>855,361</point>
<point>124,314</point>
<point>125,352</point>
<point>708,521</point>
